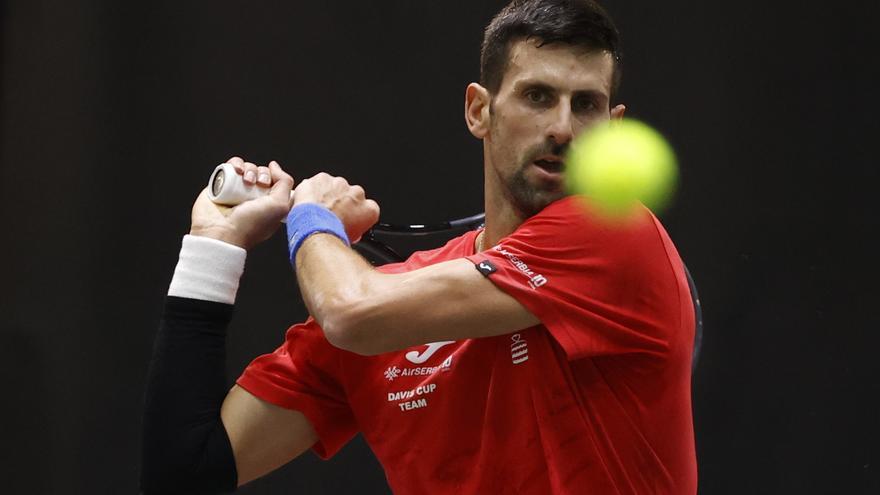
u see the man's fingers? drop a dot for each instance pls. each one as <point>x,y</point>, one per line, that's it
<point>264,177</point>
<point>374,207</point>
<point>358,192</point>
<point>282,183</point>
<point>250,173</point>
<point>237,164</point>
<point>278,173</point>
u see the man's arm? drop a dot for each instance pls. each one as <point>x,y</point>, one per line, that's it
<point>190,443</point>
<point>368,312</point>
<point>197,437</point>
<point>263,436</point>
<point>363,310</point>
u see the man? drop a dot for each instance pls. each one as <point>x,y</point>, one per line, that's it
<point>546,353</point>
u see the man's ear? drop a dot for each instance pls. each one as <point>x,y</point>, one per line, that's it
<point>617,112</point>
<point>476,110</point>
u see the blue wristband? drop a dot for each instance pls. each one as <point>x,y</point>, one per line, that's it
<point>307,219</point>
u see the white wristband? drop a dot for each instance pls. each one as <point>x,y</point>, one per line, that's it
<point>207,269</point>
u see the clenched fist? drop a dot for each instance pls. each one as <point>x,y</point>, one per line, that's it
<point>253,221</point>
<point>347,202</point>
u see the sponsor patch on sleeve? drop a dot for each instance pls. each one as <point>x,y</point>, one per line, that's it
<point>486,268</point>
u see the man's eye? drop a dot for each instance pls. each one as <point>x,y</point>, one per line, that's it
<point>536,96</point>
<point>584,105</point>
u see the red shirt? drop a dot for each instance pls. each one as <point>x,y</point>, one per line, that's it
<point>595,400</point>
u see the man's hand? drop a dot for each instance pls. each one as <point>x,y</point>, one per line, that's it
<point>347,202</point>
<point>251,222</point>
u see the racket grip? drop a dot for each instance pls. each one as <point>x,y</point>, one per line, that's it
<point>226,187</point>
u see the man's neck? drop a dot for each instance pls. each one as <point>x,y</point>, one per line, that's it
<point>501,217</point>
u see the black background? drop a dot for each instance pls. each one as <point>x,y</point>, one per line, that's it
<point>114,113</point>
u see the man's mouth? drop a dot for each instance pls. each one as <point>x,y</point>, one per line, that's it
<point>553,165</point>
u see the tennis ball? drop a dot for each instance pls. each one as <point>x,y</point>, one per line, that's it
<point>618,164</point>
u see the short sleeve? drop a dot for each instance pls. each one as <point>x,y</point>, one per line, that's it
<point>303,375</point>
<point>599,288</point>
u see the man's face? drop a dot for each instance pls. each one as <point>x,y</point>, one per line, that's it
<point>547,97</point>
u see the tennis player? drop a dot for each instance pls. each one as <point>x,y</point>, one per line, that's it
<point>548,353</point>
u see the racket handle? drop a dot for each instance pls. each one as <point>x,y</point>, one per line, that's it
<point>226,187</point>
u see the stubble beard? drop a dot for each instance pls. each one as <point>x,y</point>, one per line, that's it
<point>528,197</point>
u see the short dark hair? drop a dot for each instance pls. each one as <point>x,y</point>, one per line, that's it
<point>575,22</point>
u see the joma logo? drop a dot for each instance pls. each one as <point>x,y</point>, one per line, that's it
<point>417,358</point>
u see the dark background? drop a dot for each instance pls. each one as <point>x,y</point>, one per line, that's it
<point>114,113</point>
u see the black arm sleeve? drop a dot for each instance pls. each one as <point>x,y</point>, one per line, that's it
<point>185,446</point>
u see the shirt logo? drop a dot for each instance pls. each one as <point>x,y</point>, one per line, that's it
<point>486,268</point>
<point>391,373</point>
<point>535,279</point>
<point>416,358</point>
<point>519,349</point>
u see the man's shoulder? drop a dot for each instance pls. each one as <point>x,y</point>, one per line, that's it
<point>573,229</point>
<point>579,214</point>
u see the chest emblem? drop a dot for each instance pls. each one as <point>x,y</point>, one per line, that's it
<point>418,358</point>
<point>519,349</point>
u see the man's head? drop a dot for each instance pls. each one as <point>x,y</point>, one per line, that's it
<point>549,69</point>
<point>570,22</point>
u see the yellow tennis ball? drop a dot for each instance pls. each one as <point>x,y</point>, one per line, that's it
<point>618,164</point>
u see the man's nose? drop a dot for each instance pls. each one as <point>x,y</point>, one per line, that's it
<point>560,129</point>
